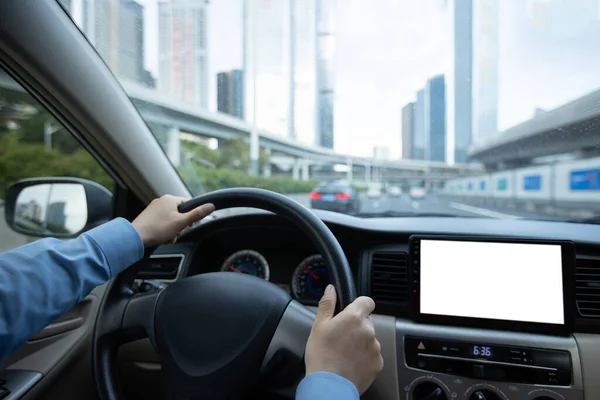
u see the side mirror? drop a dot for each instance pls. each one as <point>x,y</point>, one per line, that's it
<point>57,207</point>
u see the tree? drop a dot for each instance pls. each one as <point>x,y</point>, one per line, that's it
<point>200,151</point>
<point>31,130</point>
<point>235,154</point>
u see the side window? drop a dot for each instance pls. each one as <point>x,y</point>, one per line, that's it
<point>33,144</point>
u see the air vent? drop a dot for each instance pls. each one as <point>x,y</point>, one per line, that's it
<point>587,287</point>
<point>162,267</point>
<point>389,277</point>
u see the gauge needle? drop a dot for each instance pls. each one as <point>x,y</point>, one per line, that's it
<point>315,276</point>
<point>231,267</point>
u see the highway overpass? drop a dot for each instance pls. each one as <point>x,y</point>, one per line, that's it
<point>168,118</point>
<point>571,128</point>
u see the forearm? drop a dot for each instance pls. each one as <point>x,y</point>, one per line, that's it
<point>42,280</point>
<point>326,386</point>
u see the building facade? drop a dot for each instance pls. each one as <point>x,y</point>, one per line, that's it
<point>419,140</point>
<point>280,52</point>
<point>183,54</point>
<point>485,69</point>
<point>230,93</point>
<point>408,123</point>
<point>435,119</point>
<point>325,58</point>
<point>463,78</point>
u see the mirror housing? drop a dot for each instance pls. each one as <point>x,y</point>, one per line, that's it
<point>56,207</point>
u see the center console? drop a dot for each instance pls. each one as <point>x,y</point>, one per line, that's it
<point>490,321</point>
<point>443,362</point>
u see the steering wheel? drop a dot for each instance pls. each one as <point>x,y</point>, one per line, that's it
<point>216,333</point>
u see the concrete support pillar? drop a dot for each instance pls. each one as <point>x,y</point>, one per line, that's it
<point>367,173</point>
<point>173,149</point>
<point>254,152</point>
<point>349,176</point>
<point>296,169</point>
<point>305,170</point>
<point>267,166</point>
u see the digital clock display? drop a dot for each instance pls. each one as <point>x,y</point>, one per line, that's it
<point>483,351</point>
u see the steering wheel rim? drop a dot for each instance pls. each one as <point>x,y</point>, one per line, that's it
<point>281,324</point>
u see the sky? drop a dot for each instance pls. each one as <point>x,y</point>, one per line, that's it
<point>549,54</point>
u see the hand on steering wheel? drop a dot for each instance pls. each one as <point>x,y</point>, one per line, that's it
<point>345,344</point>
<point>217,333</point>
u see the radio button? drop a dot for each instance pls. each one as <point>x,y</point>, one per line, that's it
<point>478,371</point>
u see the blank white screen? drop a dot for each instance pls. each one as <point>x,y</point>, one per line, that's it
<point>504,281</point>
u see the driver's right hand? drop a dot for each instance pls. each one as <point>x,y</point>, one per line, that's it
<point>345,344</point>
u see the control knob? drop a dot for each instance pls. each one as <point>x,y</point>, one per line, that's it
<point>484,394</point>
<point>428,391</point>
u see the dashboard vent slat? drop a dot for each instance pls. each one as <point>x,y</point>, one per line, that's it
<point>162,267</point>
<point>389,277</point>
<point>587,287</point>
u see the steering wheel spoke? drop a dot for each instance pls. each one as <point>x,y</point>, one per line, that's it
<point>138,318</point>
<point>290,337</point>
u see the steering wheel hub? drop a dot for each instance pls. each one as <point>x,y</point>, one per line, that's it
<point>210,327</point>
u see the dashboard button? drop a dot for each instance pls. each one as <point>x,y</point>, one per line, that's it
<point>478,371</point>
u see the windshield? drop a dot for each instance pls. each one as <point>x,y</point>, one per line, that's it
<point>480,108</point>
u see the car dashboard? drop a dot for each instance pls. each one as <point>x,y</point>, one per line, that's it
<point>423,360</point>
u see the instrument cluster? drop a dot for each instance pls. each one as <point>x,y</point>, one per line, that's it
<point>307,283</point>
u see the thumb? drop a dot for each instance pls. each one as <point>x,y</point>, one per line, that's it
<point>198,213</point>
<point>326,305</point>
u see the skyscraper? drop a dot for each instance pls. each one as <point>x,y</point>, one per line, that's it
<point>304,69</point>
<point>182,50</point>
<point>116,29</point>
<point>463,75</point>
<point>325,42</point>
<point>55,216</point>
<point>230,93</point>
<point>131,40</point>
<point>408,124</point>
<point>419,141</point>
<point>267,64</point>
<point>435,119</point>
<point>280,67</point>
<point>485,69</point>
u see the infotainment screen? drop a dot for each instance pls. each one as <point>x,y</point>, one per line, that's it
<point>525,282</point>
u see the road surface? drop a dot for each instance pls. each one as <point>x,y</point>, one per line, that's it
<point>433,204</point>
<point>8,238</point>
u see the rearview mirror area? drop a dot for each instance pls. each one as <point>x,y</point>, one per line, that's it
<point>56,207</point>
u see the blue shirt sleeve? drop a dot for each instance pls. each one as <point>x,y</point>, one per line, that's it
<point>325,386</point>
<point>43,280</point>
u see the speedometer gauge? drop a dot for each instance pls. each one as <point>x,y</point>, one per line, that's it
<point>310,279</point>
<point>247,262</point>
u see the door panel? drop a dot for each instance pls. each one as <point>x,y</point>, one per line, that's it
<point>60,352</point>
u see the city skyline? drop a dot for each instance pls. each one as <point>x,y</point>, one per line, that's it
<point>402,44</point>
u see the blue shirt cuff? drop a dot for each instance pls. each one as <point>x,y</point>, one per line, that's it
<point>326,385</point>
<point>120,242</point>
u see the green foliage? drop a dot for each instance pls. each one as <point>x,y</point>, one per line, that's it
<point>200,179</point>
<point>232,154</point>
<point>22,155</point>
<point>20,160</point>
